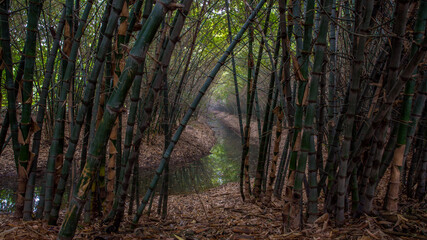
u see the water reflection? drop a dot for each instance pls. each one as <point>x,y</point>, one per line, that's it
<point>8,198</point>
<point>219,167</point>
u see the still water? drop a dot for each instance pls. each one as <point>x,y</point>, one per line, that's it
<point>221,166</point>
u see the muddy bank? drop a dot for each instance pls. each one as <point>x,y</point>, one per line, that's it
<point>195,143</point>
<point>232,121</point>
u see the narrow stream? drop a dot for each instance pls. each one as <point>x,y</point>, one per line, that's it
<point>221,166</point>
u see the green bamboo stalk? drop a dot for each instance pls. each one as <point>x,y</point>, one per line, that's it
<point>135,97</point>
<point>265,139</point>
<point>365,131</point>
<point>421,188</point>
<point>86,138</point>
<point>135,94</point>
<point>416,161</point>
<point>29,193</point>
<point>233,64</point>
<point>27,125</point>
<point>414,166</point>
<point>60,130</point>
<point>394,62</point>
<point>377,76</point>
<point>292,207</point>
<point>148,8</point>
<point>245,184</point>
<point>366,171</point>
<point>20,70</point>
<point>355,199</point>
<point>133,18</point>
<point>56,151</point>
<point>419,105</point>
<point>103,92</point>
<point>419,28</point>
<point>289,109</point>
<point>321,118</point>
<point>133,190</point>
<point>96,108</point>
<point>333,152</point>
<point>257,111</point>
<point>163,122</point>
<point>317,73</point>
<point>269,140</point>
<point>367,198</point>
<point>129,134</point>
<point>398,155</point>
<point>384,110</point>
<point>55,157</point>
<point>283,165</point>
<point>10,85</point>
<point>312,208</point>
<point>114,106</point>
<point>184,77</point>
<point>153,94</point>
<point>298,33</point>
<point>272,174</point>
<point>192,108</point>
<point>110,24</point>
<point>285,35</point>
<point>4,130</point>
<point>114,147</point>
<point>399,27</point>
<point>259,176</point>
<point>388,152</point>
<point>352,101</point>
<point>168,133</point>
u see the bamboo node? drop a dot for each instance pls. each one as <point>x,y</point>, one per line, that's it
<point>171,6</point>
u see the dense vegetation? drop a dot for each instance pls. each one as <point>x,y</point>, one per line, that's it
<point>337,88</point>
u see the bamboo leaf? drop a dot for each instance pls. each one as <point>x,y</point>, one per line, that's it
<point>178,237</point>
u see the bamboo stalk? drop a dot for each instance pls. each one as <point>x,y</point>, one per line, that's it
<point>88,94</point>
<point>151,98</point>
<point>349,123</point>
<point>114,106</point>
<point>56,151</point>
<point>27,127</point>
<point>398,155</point>
<point>29,193</point>
<point>233,63</point>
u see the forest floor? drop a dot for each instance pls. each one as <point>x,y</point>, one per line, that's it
<point>219,213</point>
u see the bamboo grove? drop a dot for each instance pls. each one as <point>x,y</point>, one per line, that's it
<point>336,90</point>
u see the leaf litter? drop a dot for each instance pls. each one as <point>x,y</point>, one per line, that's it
<point>219,213</point>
